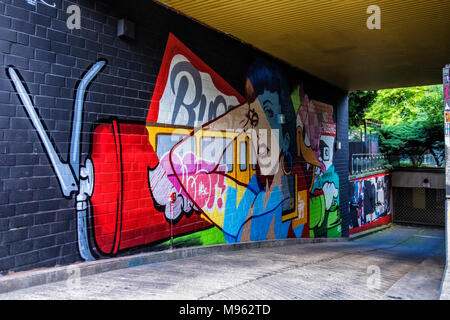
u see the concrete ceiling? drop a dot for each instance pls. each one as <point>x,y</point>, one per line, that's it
<point>330,40</point>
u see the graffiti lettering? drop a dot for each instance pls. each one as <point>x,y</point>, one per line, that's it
<point>191,97</point>
<point>204,182</point>
<point>183,88</point>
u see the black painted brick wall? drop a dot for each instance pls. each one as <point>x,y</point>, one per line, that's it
<point>37,224</point>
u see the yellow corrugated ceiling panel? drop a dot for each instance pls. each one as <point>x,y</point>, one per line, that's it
<point>330,39</point>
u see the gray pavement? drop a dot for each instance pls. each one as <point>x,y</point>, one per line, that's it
<point>396,263</point>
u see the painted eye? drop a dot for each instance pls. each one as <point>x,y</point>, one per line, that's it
<point>269,112</point>
<point>253,117</point>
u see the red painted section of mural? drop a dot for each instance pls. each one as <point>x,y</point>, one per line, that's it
<point>377,223</point>
<point>369,177</point>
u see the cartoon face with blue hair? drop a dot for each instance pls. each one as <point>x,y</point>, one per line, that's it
<point>266,84</point>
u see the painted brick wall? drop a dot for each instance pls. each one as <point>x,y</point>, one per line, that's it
<point>38,226</point>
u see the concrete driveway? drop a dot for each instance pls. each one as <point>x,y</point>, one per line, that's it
<point>397,263</point>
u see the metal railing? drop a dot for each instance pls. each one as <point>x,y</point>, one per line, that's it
<point>366,162</point>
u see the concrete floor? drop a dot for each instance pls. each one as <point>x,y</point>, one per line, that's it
<point>397,263</point>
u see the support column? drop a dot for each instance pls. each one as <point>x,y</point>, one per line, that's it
<point>445,287</point>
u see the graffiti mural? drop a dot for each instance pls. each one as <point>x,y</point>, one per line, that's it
<point>207,166</point>
<point>370,204</point>
<point>316,135</point>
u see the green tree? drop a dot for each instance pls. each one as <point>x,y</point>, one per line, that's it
<point>412,121</point>
<point>358,104</point>
<point>394,106</point>
<point>434,139</point>
<point>413,139</point>
<point>405,139</point>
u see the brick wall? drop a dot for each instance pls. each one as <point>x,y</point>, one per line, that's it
<point>38,226</point>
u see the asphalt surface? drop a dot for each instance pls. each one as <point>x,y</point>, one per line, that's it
<point>400,262</point>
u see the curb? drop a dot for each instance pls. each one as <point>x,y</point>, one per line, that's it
<point>28,279</point>
<point>444,292</point>
<point>368,232</point>
<point>418,283</point>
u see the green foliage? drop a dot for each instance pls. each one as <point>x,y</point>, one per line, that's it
<point>412,120</point>
<point>358,104</point>
<point>394,106</point>
<point>434,139</point>
<point>405,139</point>
<point>413,139</point>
